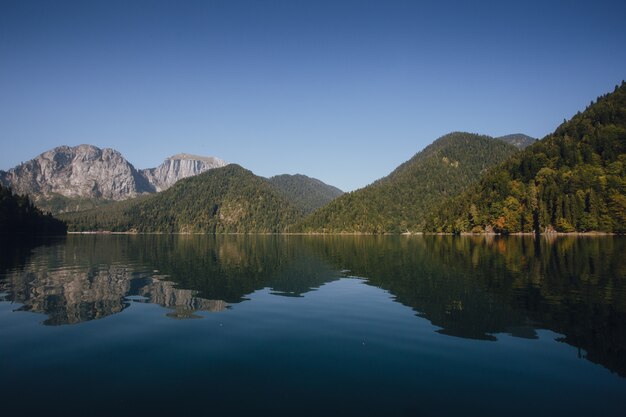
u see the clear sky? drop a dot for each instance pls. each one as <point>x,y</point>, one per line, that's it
<point>343,91</point>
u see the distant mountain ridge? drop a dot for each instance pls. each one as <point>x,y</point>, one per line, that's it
<point>84,176</point>
<point>519,140</point>
<point>228,199</point>
<point>305,192</point>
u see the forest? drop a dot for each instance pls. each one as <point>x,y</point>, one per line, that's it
<point>400,202</point>
<point>20,217</point>
<point>230,199</point>
<point>573,180</point>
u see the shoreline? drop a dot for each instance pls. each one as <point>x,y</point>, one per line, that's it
<point>581,234</point>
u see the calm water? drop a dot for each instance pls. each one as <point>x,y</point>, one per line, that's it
<point>316,326</point>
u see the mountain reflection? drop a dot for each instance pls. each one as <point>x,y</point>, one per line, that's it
<point>82,279</point>
<point>90,277</point>
<point>183,302</point>
<point>469,287</point>
<point>73,296</point>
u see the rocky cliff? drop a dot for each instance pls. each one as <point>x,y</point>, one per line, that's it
<point>80,171</point>
<point>77,178</point>
<point>177,167</point>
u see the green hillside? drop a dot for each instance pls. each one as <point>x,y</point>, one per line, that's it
<point>400,201</point>
<point>223,200</point>
<point>572,180</point>
<point>57,203</point>
<point>304,192</point>
<point>18,216</point>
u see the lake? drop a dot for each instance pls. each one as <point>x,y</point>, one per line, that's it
<point>115,325</point>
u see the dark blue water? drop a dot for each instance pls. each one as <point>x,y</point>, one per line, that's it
<point>233,325</point>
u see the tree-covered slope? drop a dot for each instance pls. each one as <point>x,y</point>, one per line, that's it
<point>18,216</point>
<point>223,200</point>
<point>572,180</point>
<point>400,201</point>
<point>304,192</point>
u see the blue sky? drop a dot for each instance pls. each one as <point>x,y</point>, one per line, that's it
<point>343,91</point>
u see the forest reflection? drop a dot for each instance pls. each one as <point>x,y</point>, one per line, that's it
<point>478,286</point>
<point>472,287</point>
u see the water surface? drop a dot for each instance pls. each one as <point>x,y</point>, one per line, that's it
<point>292,325</point>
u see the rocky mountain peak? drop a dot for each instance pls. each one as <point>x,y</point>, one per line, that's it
<point>79,171</point>
<point>177,167</point>
<point>88,172</point>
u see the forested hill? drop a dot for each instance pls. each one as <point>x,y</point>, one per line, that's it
<point>223,200</point>
<point>305,192</point>
<point>19,217</point>
<point>400,201</point>
<point>572,180</point>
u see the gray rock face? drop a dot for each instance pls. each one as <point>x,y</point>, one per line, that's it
<point>178,167</point>
<point>81,171</point>
<point>86,171</point>
<point>519,140</point>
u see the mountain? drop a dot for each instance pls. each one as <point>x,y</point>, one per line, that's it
<point>85,176</point>
<point>178,167</point>
<point>519,140</point>
<point>19,217</point>
<point>229,199</point>
<point>305,192</point>
<point>572,180</point>
<point>80,171</point>
<point>401,201</point>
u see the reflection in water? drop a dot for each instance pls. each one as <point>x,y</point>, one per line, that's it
<point>231,267</point>
<point>70,296</point>
<point>470,287</point>
<point>82,280</point>
<point>183,302</point>
<point>15,252</point>
<point>91,277</point>
<point>478,286</point>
